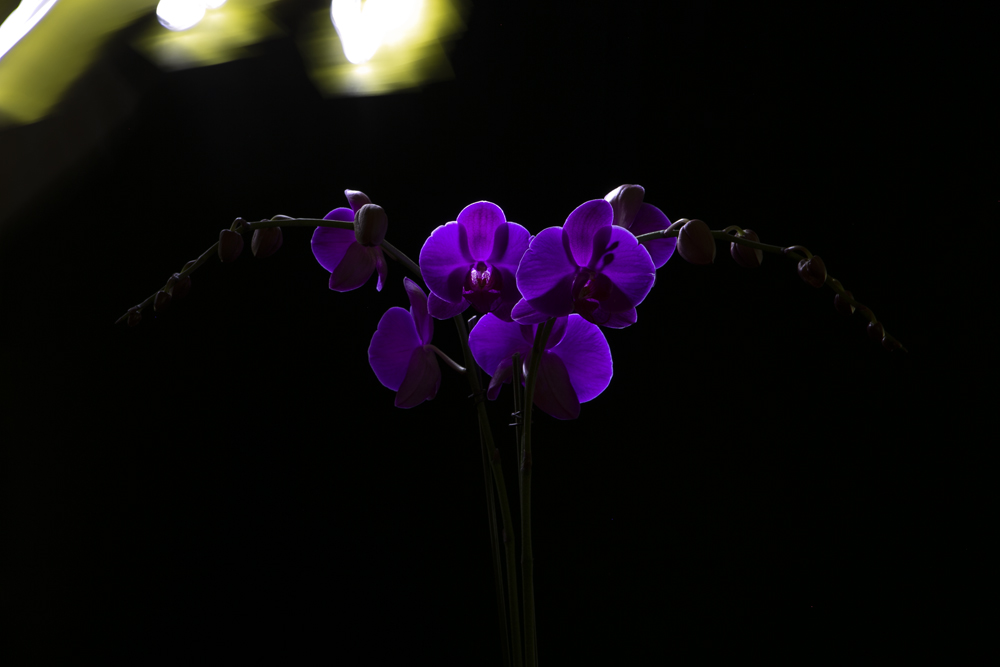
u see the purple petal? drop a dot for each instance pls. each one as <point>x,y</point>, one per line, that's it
<point>480,221</point>
<point>523,313</point>
<point>625,201</point>
<point>545,274</point>
<point>510,242</point>
<point>651,219</point>
<point>556,334</point>
<point>422,381</point>
<point>392,346</point>
<point>584,351</point>
<point>354,269</point>
<point>581,226</point>
<point>492,340</point>
<point>503,374</point>
<point>356,199</point>
<point>381,267</point>
<point>444,263</point>
<point>330,243</point>
<point>444,310</point>
<point>610,320</point>
<point>630,270</point>
<point>418,309</point>
<point>554,392</point>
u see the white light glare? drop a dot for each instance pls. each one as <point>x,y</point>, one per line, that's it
<point>21,21</point>
<point>183,14</point>
<point>363,29</point>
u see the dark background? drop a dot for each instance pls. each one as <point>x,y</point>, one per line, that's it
<point>229,479</point>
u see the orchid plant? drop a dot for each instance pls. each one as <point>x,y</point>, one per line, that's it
<point>540,305</point>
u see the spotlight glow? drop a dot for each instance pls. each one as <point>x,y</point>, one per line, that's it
<point>180,15</point>
<point>363,29</point>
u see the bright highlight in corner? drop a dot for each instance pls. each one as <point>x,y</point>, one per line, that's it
<point>181,15</point>
<point>21,21</point>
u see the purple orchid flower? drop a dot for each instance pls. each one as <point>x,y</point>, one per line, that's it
<point>401,353</point>
<point>575,366</point>
<point>640,218</point>
<point>589,266</point>
<point>473,260</point>
<point>349,262</point>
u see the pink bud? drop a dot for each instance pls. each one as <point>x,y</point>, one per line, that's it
<point>370,224</point>
<point>265,242</point>
<point>748,258</point>
<point>625,200</point>
<point>813,271</point>
<point>695,243</point>
<point>875,331</point>
<point>842,304</point>
<point>230,245</point>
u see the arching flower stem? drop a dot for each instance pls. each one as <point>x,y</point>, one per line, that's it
<point>446,359</point>
<point>787,251</point>
<point>527,558</point>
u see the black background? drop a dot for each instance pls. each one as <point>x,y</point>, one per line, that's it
<point>229,479</point>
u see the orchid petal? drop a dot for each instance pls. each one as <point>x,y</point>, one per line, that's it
<point>630,270</point>
<point>356,199</point>
<point>587,357</point>
<point>445,262</point>
<point>554,392</point>
<point>330,243</point>
<point>503,374</point>
<point>354,270</point>
<point>422,381</point>
<point>381,267</point>
<point>523,313</point>
<point>480,221</point>
<point>556,333</point>
<point>545,274</point>
<point>651,219</point>
<point>392,346</point>
<point>492,340</point>
<point>581,226</point>
<point>509,245</point>
<point>418,309</point>
<point>444,310</point>
<point>625,200</point>
<point>609,320</point>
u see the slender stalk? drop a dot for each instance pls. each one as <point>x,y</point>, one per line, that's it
<point>501,487</point>
<point>491,514</point>
<point>787,251</point>
<point>527,558</point>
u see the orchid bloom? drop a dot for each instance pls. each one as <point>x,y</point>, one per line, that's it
<point>473,260</point>
<point>639,218</point>
<point>588,266</point>
<point>349,256</point>
<point>575,366</point>
<point>401,353</point>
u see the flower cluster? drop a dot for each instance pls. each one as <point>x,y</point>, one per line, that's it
<point>588,273</point>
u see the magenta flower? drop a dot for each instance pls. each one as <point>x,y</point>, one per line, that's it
<point>473,260</point>
<point>349,262</point>
<point>575,366</point>
<point>589,266</point>
<point>639,218</point>
<point>401,354</point>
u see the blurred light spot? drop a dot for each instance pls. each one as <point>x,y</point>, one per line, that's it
<point>222,35</point>
<point>399,42</point>
<point>180,14</point>
<point>20,21</point>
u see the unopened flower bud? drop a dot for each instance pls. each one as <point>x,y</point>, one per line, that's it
<point>695,243</point>
<point>875,331</point>
<point>748,258</point>
<point>356,199</point>
<point>625,200</point>
<point>842,304</point>
<point>161,301</point>
<point>230,245</point>
<point>370,224</point>
<point>813,271</point>
<point>265,242</point>
<point>890,343</point>
<point>134,316</point>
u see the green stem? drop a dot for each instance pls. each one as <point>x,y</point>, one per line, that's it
<point>527,557</point>
<point>508,525</point>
